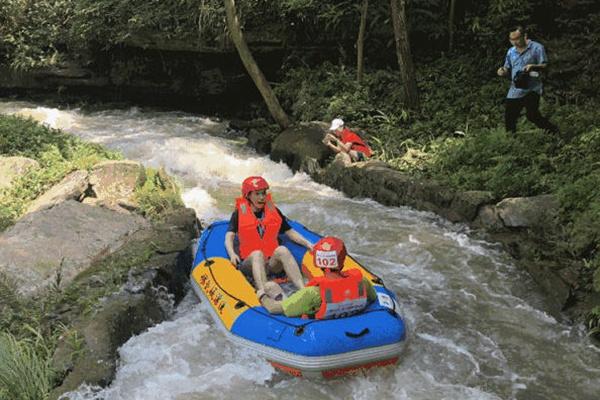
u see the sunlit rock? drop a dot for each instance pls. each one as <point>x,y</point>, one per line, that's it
<point>114,181</point>
<point>12,167</point>
<point>50,247</point>
<point>72,187</point>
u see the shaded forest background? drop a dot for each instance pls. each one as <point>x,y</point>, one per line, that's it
<point>456,136</point>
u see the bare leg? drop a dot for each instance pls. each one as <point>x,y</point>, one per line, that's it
<point>283,258</point>
<point>257,261</point>
<point>271,298</point>
<point>344,157</point>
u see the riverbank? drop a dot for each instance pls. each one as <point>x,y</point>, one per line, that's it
<point>531,228</point>
<point>93,249</point>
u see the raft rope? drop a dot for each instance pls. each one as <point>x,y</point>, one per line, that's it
<point>299,328</point>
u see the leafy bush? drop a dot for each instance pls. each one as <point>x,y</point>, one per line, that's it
<point>158,194</point>
<point>57,152</point>
<point>593,320</point>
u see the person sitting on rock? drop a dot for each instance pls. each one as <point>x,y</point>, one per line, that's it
<point>347,143</point>
<point>336,294</point>
<point>257,223</point>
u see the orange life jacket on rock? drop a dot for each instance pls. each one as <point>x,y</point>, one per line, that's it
<point>341,297</point>
<point>248,225</point>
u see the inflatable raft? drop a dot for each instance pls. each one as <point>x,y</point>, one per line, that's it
<point>301,347</point>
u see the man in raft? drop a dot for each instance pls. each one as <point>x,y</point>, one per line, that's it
<point>347,143</point>
<point>338,293</point>
<point>257,223</point>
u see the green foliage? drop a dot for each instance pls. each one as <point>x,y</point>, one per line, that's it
<point>25,137</point>
<point>158,194</point>
<point>31,32</point>
<point>494,160</point>
<point>593,320</point>
<point>25,371</point>
<point>57,152</point>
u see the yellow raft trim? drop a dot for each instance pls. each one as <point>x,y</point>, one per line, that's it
<point>230,282</point>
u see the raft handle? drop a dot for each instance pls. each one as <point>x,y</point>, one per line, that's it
<point>299,331</point>
<point>359,334</point>
<point>239,305</point>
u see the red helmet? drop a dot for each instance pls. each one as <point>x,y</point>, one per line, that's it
<point>329,252</point>
<point>252,184</point>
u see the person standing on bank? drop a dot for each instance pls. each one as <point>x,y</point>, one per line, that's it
<point>523,63</point>
<point>257,223</point>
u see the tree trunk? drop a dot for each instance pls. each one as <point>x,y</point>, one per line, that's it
<point>405,62</point>
<point>360,42</point>
<point>451,17</point>
<point>254,71</point>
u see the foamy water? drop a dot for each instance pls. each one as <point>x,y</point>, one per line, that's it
<point>477,327</point>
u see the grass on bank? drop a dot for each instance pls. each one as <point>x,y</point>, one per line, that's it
<point>458,139</point>
<point>58,153</point>
<point>25,372</point>
<point>30,329</point>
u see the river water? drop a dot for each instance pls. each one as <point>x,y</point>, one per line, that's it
<point>477,329</point>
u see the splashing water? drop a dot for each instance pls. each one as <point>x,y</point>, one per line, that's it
<point>476,330</point>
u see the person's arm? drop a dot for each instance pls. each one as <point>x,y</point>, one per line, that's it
<point>505,69</point>
<point>345,146</point>
<point>233,257</point>
<point>535,67</point>
<point>298,238</point>
<point>540,58</point>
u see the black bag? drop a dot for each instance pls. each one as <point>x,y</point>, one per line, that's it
<point>521,80</point>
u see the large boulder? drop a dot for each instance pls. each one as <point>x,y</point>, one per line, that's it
<point>116,181</point>
<point>528,212</point>
<point>51,246</point>
<point>72,187</point>
<point>12,167</point>
<point>300,146</point>
<point>466,205</point>
<point>130,290</point>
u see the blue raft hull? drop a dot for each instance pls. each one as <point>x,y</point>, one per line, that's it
<point>302,347</point>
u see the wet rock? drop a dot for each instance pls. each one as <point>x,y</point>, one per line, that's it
<point>154,267</point>
<point>72,187</point>
<point>528,212</point>
<point>261,139</point>
<point>12,167</point>
<point>121,316</point>
<point>299,142</point>
<point>488,218</point>
<point>465,205</point>
<point>557,290</point>
<point>114,181</point>
<point>51,246</point>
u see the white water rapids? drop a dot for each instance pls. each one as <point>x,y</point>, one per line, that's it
<point>477,329</point>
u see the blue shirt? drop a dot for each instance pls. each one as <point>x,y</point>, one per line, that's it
<point>515,61</point>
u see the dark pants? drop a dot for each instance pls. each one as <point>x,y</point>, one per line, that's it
<point>531,103</point>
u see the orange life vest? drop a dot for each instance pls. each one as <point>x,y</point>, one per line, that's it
<point>341,297</point>
<point>248,224</point>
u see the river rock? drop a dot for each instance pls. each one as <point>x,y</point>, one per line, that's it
<point>145,278</point>
<point>12,167</point>
<point>528,212</point>
<point>72,187</point>
<point>114,181</point>
<point>301,142</point>
<point>487,218</point>
<point>465,205</point>
<point>51,246</point>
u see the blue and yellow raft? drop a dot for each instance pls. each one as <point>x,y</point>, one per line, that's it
<point>301,347</point>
